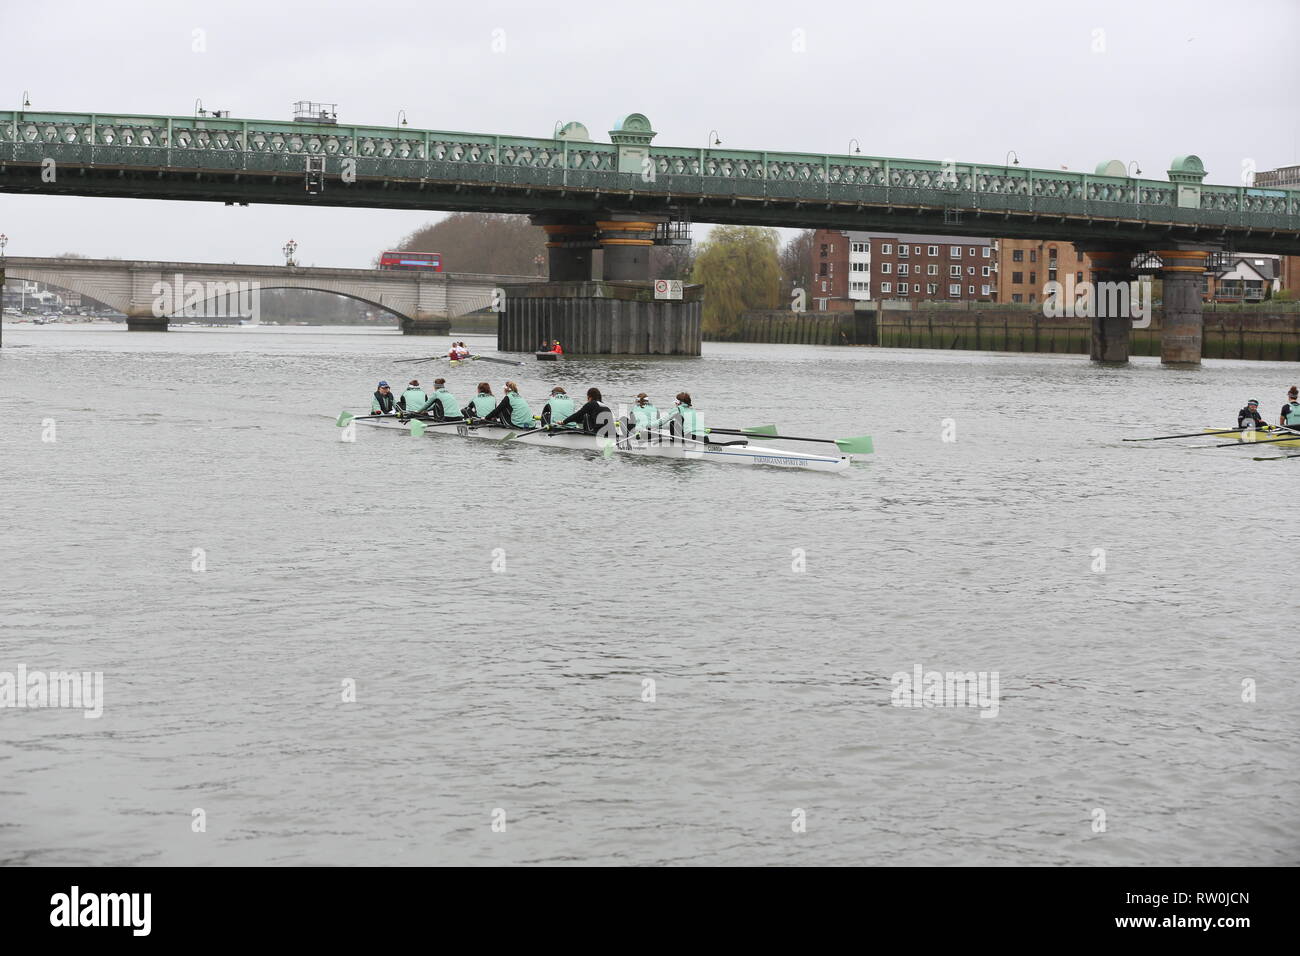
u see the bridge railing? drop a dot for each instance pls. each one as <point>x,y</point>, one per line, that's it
<point>226,145</point>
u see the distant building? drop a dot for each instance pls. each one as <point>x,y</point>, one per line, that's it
<point>1025,266</point>
<point>1284,177</point>
<point>850,267</point>
<point>1242,278</point>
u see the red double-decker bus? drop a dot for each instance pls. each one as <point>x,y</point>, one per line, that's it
<point>432,261</point>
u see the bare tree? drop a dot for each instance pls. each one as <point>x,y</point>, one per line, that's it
<point>481,242</point>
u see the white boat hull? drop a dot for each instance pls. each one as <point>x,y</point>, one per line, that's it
<point>741,453</point>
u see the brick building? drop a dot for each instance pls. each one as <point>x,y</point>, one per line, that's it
<point>850,267</point>
<point>1026,265</point>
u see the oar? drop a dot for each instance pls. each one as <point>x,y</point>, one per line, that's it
<point>1290,436</point>
<point>1275,457</point>
<point>861,445</point>
<point>484,358</point>
<point>1226,431</point>
<point>431,358</point>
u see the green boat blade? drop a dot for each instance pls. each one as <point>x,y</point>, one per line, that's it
<point>855,446</point>
<point>507,437</point>
<point>344,418</point>
<point>760,430</point>
<point>607,449</point>
<point>417,428</point>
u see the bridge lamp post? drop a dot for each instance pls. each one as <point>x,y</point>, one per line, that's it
<point>290,248</point>
<point>712,139</point>
<point>198,108</point>
<point>4,241</point>
<point>855,146</point>
<point>27,103</point>
<point>401,117</point>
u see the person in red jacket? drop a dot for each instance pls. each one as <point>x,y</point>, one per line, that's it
<point>555,347</point>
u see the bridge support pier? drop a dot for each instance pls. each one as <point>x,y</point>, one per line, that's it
<point>1181,331</point>
<point>571,250</point>
<point>423,324</point>
<point>144,320</point>
<point>1110,320</point>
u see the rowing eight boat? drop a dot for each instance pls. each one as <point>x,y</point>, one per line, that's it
<point>737,452</point>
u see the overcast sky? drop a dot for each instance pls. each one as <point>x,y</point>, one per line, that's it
<point>1061,84</point>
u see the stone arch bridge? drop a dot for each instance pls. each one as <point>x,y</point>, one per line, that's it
<point>150,293</point>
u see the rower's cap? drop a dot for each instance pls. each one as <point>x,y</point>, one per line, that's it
<point>415,381</point>
<point>1253,401</point>
<point>383,384</point>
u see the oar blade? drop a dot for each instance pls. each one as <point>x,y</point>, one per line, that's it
<point>760,430</point>
<point>861,445</point>
<point>344,418</point>
<point>508,436</point>
<point>417,428</point>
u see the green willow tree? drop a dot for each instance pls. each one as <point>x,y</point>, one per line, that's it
<point>740,272</point>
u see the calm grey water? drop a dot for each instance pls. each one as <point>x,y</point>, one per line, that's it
<point>522,690</point>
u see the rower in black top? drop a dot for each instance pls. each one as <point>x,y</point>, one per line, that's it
<point>594,417</point>
<point>1250,414</point>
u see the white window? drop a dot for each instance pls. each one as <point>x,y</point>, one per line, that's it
<point>931,288</point>
<point>986,252</point>
<point>902,288</point>
<point>970,290</point>
<point>970,270</point>
<point>984,290</point>
<point>902,252</point>
<point>860,266</point>
<point>823,285</point>
<point>955,251</point>
<point>954,289</point>
<point>885,268</point>
<point>986,272</point>
<point>885,248</point>
<point>931,250</point>
<point>954,272</point>
<point>972,250</point>
<point>902,268</point>
<point>932,270</point>
<point>832,247</point>
<point>916,250</point>
<point>886,287</point>
<point>859,247</point>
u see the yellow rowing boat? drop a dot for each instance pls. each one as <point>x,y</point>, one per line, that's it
<point>1250,435</point>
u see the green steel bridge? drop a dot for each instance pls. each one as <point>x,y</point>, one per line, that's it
<point>570,178</point>
<point>621,197</point>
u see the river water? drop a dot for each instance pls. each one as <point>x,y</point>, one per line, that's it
<point>197,532</point>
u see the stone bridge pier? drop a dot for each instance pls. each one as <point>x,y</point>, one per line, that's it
<point>1179,268</point>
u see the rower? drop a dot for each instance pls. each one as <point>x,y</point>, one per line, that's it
<point>413,400</point>
<point>442,404</point>
<point>482,405</point>
<point>595,418</point>
<point>555,347</point>
<point>513,410</point>
<point>544,347</point>
<point>558,407</point>
<point>1291,410</point>
<point>1249,417</point>
<point>643,418</point>
<point>684,421</point>
<point>462,350</point>
<point>384,400</point>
